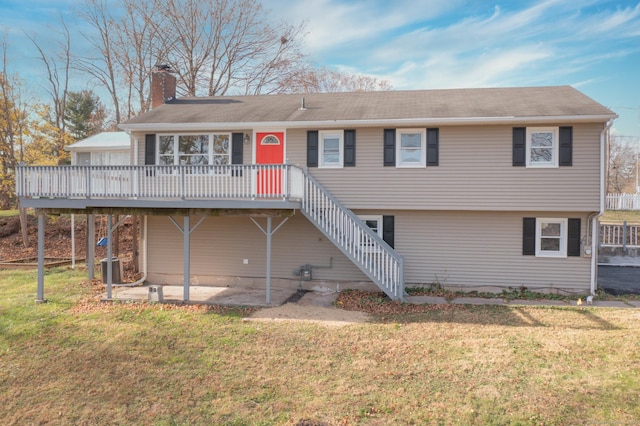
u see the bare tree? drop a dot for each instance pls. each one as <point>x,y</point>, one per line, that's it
<point>126,47</point>
<point>102,65</point>
<point>215,47</point>
<point>623,165</point>
<point>324,80</point>
<point>225,46</point>
<point>58,67</point>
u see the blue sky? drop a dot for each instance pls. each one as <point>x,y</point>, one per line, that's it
<point>418,44</point>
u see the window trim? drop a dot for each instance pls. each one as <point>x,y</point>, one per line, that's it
<point>321,137</point>
<point>564,237</point>
<point>379,231</point>
<point>423,148</point>
<point>555,148</point>
<point>176,148</point>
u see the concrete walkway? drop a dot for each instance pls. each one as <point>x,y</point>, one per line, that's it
<point>244,296</point>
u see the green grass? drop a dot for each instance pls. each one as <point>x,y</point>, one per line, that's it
<point>8,213</point>
<point>621,215</point>
<point>76,361</point>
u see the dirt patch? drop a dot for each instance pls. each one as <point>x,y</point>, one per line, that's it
<point>57,240</point>
<point>307,313</point>
<point>347,307</point>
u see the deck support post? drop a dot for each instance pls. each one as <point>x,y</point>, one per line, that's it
<point>269,232</point>
<point>91,249</point>
<point>186,230</point>
<point>73,241</point>
<point>186,233</point>
<point>268,260</point>
<point>40,295</point>
<point>109,256</point>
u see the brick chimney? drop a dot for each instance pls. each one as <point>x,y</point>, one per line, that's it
<point>163,85</point>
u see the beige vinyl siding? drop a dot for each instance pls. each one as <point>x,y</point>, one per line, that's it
<point>475,173</point>
<point>220,244</point>
<point>454,248</point>
<point>475,249</point>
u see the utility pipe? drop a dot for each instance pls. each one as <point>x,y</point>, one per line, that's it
<point>73,241</point>
<point>604,138</point>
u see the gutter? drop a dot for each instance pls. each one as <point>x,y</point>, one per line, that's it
<point>322,124</point>
<point>604,139</point>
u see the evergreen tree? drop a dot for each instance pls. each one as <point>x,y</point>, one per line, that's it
<point>84,114</point>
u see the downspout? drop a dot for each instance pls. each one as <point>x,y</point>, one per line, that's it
<point>604,139</point>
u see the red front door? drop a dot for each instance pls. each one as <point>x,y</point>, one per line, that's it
<point>270,150</point>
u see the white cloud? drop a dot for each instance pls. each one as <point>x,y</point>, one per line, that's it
<point>622,22</point>
<point>490,69</point>
<point>335,25</point>
<point>542,44</point>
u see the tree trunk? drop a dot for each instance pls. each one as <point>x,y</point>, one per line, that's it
<point>134,235</point>
<point>23,226</point>
<point>116,237</point>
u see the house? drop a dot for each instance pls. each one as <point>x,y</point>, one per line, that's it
<point>106,148</point>
<point>469,188</point>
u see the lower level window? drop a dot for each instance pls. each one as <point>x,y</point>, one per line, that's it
<point>551,237</point>
<point>375,224</point>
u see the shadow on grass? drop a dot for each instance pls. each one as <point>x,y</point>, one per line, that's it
<point>510,316</point>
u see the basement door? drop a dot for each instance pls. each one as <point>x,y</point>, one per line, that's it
<point>269,150</point>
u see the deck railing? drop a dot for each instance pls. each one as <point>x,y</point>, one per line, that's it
<point>623,201</point>
<point>255,181</point>
<point>381,263</point>
<point>621,234</point>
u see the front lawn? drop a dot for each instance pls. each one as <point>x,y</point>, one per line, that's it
<point>77,361</point>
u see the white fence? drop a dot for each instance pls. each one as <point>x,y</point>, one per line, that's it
<point>623,201</point>
<point>255,181</point>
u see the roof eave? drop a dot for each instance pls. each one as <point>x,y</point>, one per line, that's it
<point>159,127</point>
<point>97,148</point>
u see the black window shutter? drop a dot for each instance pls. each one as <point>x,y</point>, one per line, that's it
<point>573,242</point>
<point>149,150</point>
<point>529,236</point>
<point>519,146</point>
<point>390,147</point>
<point>566,146</point>
<point>388,233</point>
<point>312,148</point>
<point>433,136</point>
<point>349,148</point>
<point>237,140</point>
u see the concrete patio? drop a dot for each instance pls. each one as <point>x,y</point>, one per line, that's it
<point>251,296</point>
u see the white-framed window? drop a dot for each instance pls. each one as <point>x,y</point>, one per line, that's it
<point>551,237</point>
<point>194,149</point>
<point>331,148</point>
<point>411,148</point>
<point>374,222</point>
<point>542,147</point>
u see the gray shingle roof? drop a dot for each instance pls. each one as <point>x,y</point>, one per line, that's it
<point>104,141</point>
<point>428,105</point>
